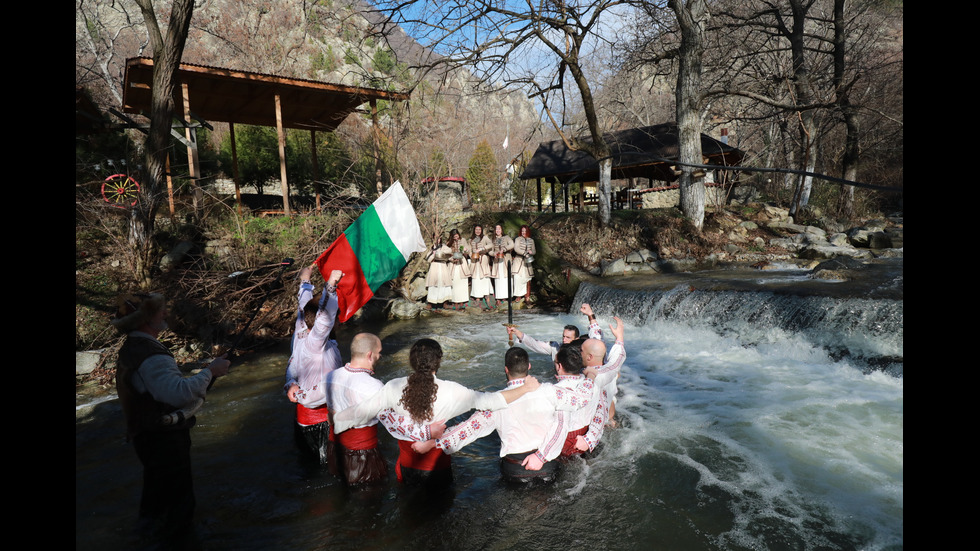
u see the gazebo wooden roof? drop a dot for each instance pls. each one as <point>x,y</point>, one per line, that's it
<point>227,95</point>
<point>638,152</point>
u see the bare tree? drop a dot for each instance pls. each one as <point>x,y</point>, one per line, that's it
<point>677,39</point>
<point>105,34</point>
<point>534,45</point>
<point>811,66</point>
<point>692,18</point>
<point>864,72</point>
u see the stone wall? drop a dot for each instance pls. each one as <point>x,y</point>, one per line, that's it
<point>670,196</point>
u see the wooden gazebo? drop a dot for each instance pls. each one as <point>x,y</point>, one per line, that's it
<point>649,152</point>
<point>218,94</point>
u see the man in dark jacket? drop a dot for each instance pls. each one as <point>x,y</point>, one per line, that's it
<point>159,404</point>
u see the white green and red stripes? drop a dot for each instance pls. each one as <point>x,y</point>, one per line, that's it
<point>372,250</point>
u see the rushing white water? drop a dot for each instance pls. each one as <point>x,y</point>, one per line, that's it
<point>747,421</point>
<point>793,443</point>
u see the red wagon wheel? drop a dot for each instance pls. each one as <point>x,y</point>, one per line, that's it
<point>120,190</point>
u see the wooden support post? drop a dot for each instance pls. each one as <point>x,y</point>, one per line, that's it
<point>553,196</point>
<point>539,195</point>
<point>235,176</point>
<point>193,160</point>
<point>377,143</point>
<point>316,169</point>
<point>282,157</point>
<point>170,187</point>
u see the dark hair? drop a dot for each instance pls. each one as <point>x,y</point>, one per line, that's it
<point>477,226</point>
<point>310,311</point>
<point>570,357</point>
<point>517,361</point>
<point>420,393</point>
<point>571,328</point>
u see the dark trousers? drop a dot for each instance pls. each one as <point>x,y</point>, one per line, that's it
<point>316,440</point>
<point>168,487</point>
<point>512,470</point>
<point>363,466</point>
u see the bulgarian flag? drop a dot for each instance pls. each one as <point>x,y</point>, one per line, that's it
<point>372,250</point>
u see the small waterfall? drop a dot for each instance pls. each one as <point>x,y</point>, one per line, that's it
<point>870,330</point>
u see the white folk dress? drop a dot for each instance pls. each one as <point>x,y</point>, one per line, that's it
<point>523,272</point>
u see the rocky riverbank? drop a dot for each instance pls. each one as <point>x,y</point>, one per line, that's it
<point>768,239</point>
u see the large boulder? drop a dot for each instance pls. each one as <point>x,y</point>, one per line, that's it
<point>87,361</point>
<point>400,308</point>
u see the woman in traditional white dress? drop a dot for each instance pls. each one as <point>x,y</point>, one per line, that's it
<point>438,279</point>
<point>503,246</point>
<point>479,248</point>
<point>521,265</point>
<point>459,272</point>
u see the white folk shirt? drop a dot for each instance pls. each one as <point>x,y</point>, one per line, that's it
<point>551,348</point>
<point>522,427</point>
<point>452,399</point>
<point>596,413</point>
<point>349,386</point>
<point>312,359</point>
<point>561,401</point>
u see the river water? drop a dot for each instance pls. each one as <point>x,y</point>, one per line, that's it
<point>751,417</point>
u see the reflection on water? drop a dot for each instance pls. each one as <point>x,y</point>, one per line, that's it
<point>725,443</point>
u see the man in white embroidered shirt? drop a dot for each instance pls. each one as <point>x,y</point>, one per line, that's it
<point>568,334</point>
<point>522,427</point>
<point>348,386</point>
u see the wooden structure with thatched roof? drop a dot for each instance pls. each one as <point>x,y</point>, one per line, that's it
<point>649,152</point>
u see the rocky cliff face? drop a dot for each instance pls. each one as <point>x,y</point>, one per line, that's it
<point>338,41</point>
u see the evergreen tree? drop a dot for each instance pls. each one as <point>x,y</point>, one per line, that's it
<point>483,176</point>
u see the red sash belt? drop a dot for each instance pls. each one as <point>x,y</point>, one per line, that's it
<point>307,416</point>
<point>435,460</point>
<point>364,438</point>
<point>569,448</point>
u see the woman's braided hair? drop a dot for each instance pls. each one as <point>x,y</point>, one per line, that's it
<point>420,393</point>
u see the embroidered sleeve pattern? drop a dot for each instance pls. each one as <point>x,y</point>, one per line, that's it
<point>327,315</point>
<point>595,330</point>
<point>574,397</point>
<point>554,441</point>
<point>402,425</point>
<point>480,424</point>
<point>598,423</point>
<point>615,358</point>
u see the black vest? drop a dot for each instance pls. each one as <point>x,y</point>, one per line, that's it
<point>143,412</point>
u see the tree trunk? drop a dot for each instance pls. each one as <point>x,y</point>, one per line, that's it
<point>167,53</point>
<point>852,152</point>
<point>803,92</point>
<point>605,191</point>
<point>692,17</point>
<point>598,148</point>
<point>852,143</point>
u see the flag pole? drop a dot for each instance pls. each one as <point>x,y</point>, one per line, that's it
<point>510,305</point>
